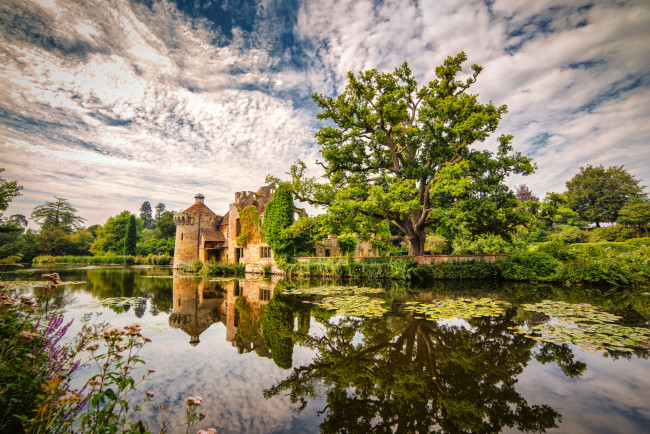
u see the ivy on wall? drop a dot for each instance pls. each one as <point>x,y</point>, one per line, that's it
<point>249,218</point>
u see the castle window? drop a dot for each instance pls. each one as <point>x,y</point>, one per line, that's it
<point>182,236</point>
<point>265,252</point>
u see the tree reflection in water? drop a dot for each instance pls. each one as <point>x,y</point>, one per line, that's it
<point>405,374</point>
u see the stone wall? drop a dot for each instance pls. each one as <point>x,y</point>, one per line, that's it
<point>186,247</point>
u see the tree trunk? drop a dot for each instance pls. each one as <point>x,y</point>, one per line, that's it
<point>416,243</point>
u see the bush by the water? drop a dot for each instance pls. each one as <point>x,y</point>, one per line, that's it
<point>472,269</point>
<point>106,259</point>
<point>400,268</point>
<point>529,266</point>
<point>213,268</point>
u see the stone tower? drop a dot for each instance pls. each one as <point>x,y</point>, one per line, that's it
<point>188,229</point>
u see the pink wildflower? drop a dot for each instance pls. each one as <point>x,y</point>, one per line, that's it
<point>150,394</point>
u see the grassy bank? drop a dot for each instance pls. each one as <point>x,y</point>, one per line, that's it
<point>405,269</point>
<point>105,260</point>
<point>212,268</point>
<point>608,263</point>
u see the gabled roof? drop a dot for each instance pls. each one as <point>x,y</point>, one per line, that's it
<point>199,207</point>
<point>212,235</point>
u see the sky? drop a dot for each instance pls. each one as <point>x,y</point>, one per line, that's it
<point>111,103</point>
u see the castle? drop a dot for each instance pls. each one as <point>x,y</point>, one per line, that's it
<point>203,235</point>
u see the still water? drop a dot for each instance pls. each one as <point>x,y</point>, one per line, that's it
<point>273,356</point>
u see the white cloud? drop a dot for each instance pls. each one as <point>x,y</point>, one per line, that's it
<point>118,103</point>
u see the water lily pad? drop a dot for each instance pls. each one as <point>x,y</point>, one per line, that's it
<point>333,290</point>
<point>462,308</point>
<point>590,329</point>
<point>353,305</point>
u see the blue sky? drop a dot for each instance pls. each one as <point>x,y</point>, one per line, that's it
<point>111,103</point>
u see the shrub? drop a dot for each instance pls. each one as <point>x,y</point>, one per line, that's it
<point>612,233</point>
<point>556,249</point>
<point>488,244</point>
<point>436,244</point>
<point>347,243</point>
<point>472,269</point>
<point>570,235</point>
<point>194,268</point>
<point>638,241</point>
<point>213,268</point>
<point>529,266</point>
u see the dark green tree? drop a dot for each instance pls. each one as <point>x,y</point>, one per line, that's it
<point>597,194</point>
<point>58,214</point>
<point>278,215</point>
<point>160,209</point>
<point>165,226</point>
<point>131,236</point>
<point>110,237</point>
<point>8,191</point>
<point>635,214</point>
<point>395,151</point>
<point>145,215</point>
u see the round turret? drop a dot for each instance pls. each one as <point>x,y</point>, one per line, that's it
<point>188,230</point>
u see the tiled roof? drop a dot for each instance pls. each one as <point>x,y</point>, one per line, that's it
<point>199,207</point>
<point>212,235</point>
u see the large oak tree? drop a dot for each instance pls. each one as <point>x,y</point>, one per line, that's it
<point>395,151</point>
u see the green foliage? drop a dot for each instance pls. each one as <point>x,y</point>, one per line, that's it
<point>149,243</point>
<point>249,219</point>
<point>399,268</point>
<point>15,243</point>
<point>436,244</point>
<point>612,233</point>
<point>465,270</point>
<point>111,236</point>
<point>347,243</point>
<point>165,226</point>
<point>106,259</point>
<point>131,236</point>
<point>213,268</point>
<point>58,214</point>
<point>277,326</point>
<point>639,241</point>
<point>556,249</point>
<point>609,263</point>
<point>597,194</point>
<point>395,151</point>
<point>521,265</point>
<point>570,235</point>
<point>278,216</point>
<point>554,209</point>
<point>145,215</point>
<point>303,234</point>
<point>636,214</point>
<point>488,244</point>
<point>8,191</point>
<point>160,209</point>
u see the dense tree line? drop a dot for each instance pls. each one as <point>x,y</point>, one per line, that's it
<point>61,231</point>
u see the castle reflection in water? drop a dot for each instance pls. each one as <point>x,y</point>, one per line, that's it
<point>198,304</point>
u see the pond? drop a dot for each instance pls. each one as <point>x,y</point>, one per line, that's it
<point>270,356</point>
